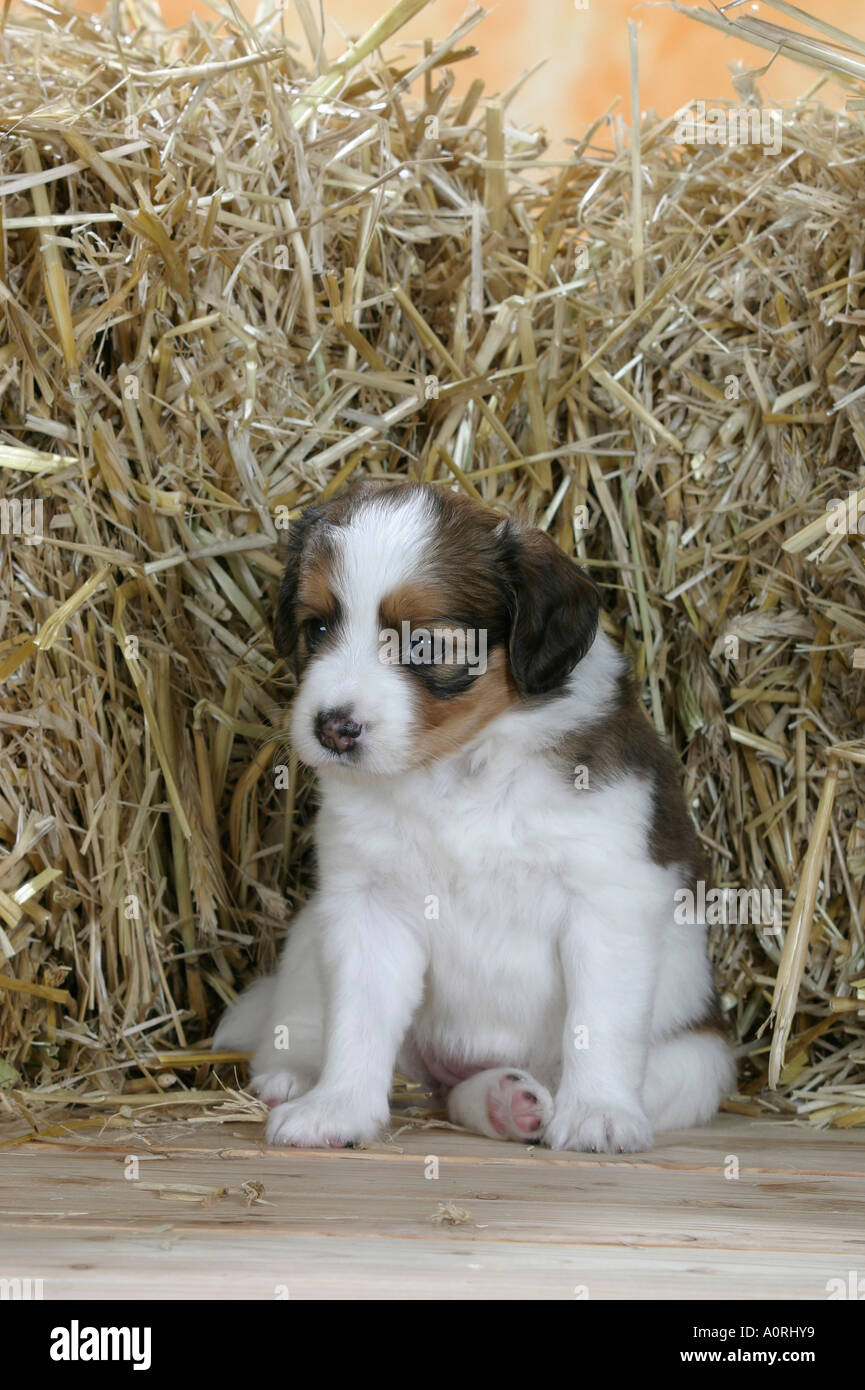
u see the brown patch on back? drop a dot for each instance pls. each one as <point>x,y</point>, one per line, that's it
<point>624,741</point>
<point>448,725</point>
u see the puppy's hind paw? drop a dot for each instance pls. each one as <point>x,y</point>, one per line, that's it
<point>518,1107</point>
<point>502,1103</point>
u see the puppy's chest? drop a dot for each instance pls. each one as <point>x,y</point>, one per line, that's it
<point>497,858</point>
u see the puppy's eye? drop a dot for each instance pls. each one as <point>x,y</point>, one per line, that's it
<point>314,629</point>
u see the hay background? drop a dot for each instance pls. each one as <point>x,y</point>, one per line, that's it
<point>221,298</point>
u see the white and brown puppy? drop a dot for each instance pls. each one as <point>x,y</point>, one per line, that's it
<point>499,842</point>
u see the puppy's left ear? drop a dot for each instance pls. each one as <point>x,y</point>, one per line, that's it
<point>554,611</point>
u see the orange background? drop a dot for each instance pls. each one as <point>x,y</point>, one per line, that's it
<point>586,51</point>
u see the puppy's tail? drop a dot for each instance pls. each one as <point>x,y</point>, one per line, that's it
<point>244,1022</point>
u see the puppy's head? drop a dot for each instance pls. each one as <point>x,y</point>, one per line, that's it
<point>413,617</point>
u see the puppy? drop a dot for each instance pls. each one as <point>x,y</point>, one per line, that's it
<point>500,837</point>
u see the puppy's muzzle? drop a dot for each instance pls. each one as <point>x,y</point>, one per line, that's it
<point>337,731</point>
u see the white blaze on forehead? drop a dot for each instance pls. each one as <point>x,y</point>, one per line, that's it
<point>386,542</point>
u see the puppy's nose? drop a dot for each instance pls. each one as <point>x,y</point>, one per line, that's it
<point>336,730</point>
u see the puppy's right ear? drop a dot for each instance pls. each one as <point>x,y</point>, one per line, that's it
<point>554,614</point>
<point>285,624</point>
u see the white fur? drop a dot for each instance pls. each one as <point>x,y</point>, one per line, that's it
<point>481,910</point>
<point>372,556</point>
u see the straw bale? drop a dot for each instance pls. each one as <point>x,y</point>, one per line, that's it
<point>232,277</point>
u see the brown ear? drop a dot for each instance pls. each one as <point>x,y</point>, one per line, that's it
<point>285,623</point>
<point>554,611</point>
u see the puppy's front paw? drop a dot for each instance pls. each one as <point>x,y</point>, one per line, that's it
<point>598,1129</point>
<point>321,1120</point>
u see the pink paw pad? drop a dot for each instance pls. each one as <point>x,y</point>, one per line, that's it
<point>513,1108</point>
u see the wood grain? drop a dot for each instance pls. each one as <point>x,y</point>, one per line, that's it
<point>360,1223</point>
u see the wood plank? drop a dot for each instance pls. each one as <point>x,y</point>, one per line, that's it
<point>605,1205</point>
<point>360,1223</point>
<point>760,1145</point>
<point>164,1264</point>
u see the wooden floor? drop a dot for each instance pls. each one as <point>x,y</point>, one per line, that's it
<point>215,1214</point>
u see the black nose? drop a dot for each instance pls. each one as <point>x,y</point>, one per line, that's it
<point>336,730</point>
